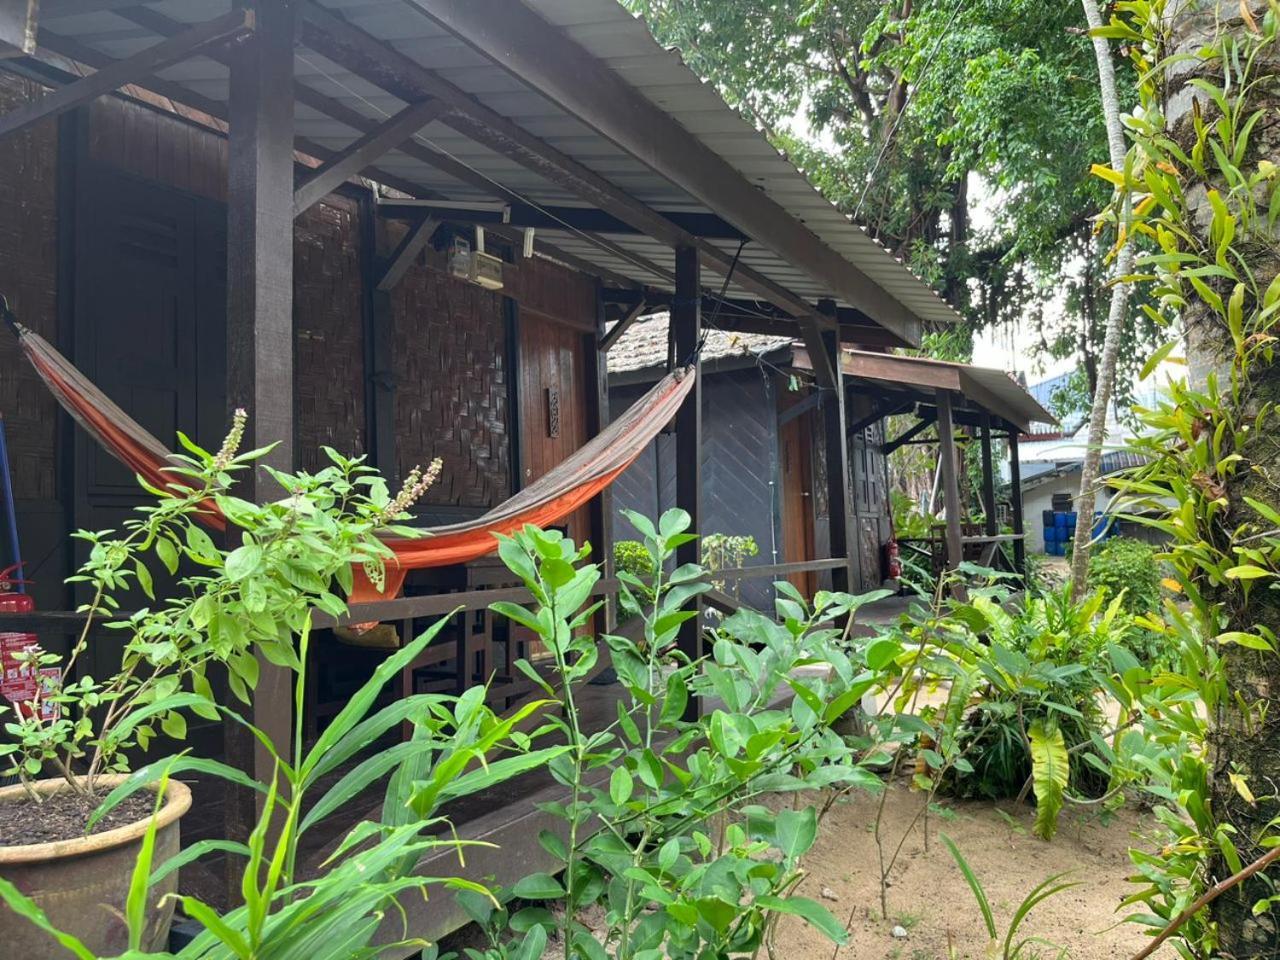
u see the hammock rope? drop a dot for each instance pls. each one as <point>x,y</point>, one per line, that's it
<point>546,501</point>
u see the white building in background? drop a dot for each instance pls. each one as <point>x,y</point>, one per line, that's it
<point>1051,459</point>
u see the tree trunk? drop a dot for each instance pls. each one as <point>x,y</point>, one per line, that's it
<point>1245,737</point>
<point>1106,376</point>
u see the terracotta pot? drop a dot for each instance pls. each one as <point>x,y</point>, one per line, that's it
<point>81,884</point>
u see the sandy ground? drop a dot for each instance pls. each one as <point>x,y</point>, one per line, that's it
<point>928,896</point>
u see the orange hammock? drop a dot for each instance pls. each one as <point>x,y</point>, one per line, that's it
<point>546,501</point>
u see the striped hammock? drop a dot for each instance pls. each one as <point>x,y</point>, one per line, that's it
<point>546,501</point>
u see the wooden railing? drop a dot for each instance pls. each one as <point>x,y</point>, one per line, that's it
<point>405,608</point>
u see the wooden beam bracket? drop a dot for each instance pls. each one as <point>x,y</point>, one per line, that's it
<point>401,259</point>
<point>365,151</point>
<point>926,420</point>
<point>621,327</point>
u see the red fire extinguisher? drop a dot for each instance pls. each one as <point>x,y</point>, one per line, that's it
<point>19,682</point>
<point>893,560</point>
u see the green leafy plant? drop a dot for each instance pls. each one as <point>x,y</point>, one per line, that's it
<point>1202,186</point>
<point>459,747</point>
<point>665,831</point>
<point>1050,771</point>
<point>1123,566</point>
<point>226,606</point>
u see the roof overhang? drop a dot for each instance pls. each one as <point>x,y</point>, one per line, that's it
<point>981,389</point>
<point>569,115</point>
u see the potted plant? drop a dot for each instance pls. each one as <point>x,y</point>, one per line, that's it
<point>73,740</point>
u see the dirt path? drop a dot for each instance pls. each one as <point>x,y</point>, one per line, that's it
<point>930,900</point>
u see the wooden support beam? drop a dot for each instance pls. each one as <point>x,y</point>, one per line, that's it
<point>549,217</point>
<point>402,258</point>
<point>926,420</point>
<point>129,70</point>
<point>878,414</point>
<point>544,58</point>
<point>811,402</point>
<point>950,479</point>
<point>18,27</point>
<point>988,476</point>
<point>378,63</point>
<point>1015,500</point>
<point>686,327</point>
<point>621,327</point>
<point>336,110</point>
<point>843,540</point>
<point>52,9</point>
<point>362,153</point>
<point>826,367</point>
<point>260,323</point>
<point>601,506</point>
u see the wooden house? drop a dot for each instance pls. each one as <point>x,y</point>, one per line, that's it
<point>764,456</point>
<point>206,205</point>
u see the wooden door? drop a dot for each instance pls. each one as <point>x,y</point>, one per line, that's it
<point>149,317</point>
<point>553,403</point>
<point>795,442</point>
<point>870,504</point>
<point>148,324</point>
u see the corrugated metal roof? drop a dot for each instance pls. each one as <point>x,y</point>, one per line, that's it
<point>615,38</point>
<point>644,345</point>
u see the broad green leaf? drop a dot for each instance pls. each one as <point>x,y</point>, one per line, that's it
<point>620,785</point>
<point>810,910</point>
<point>538,886</point>
<point>1050,770</point>
<point>796,831</point>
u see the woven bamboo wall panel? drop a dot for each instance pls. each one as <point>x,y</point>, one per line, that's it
<point>28,277</point>
<point>449,340</point>
<point>328,333</point>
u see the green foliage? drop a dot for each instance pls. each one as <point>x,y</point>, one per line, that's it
<point>682,860</point>
<point>1050,771</point>
<point>723,551</point>
<point>459,747</point>
<point>1041,666</point>
<point>1205,204</point>
<point>959,133</point>
<point>1128,567</point>
<point>226,606</point>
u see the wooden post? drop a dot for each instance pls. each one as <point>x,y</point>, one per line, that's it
<point>950,479</point>
<point>1015,498</point>
<point>843,541</point>
<point>686,326</point>
<point>988,476</point>
<point>260,322</point>
<point>597,379</point>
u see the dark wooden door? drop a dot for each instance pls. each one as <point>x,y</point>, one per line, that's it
<point>795,442</point>
<point>149,329</point>
<point>870,503</point>
<point>553,403</point>
<point>149,321</point>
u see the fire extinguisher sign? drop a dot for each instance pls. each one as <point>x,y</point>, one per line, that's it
<point>24,683</point>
